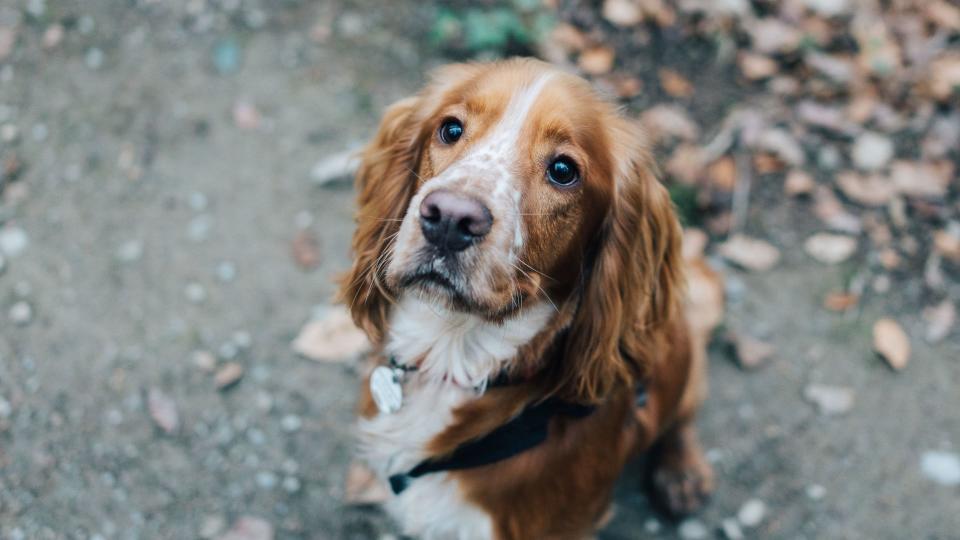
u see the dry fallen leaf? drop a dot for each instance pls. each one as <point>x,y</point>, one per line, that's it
<point>332,338</point>
<point>751,352</point>
<point>686,164</point>
<point>249,528</point>
<point>750,253</point>
<point>782,144</point>
<point>942,13</point>
<point>569,38</point>
<point>829,400</point>
<point>694,243</point>
<point>597,60</point>
<point>705,298</point>
<point>756,66</point>
<point>891,343</point>
<point>163,410</point>
<point>940,320</point>
<point>945,76</point>
<point>920,179</point>
<point>770,35</point>
<point>674,84</point>
<point>722,174</point>
<point>665,121</point>
<point>228,375</point>
<point>947,243</point>
<point>362,487</point>
<point>837,301</point>
<point>868,190</point>
<point>830,210</point>
<point>305,249</point>
<point>830,248</point>
<point>798,182</point>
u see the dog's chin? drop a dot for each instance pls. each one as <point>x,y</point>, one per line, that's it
<point>450,293</point>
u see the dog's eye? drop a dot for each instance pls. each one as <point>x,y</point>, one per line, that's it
<point>562,171</point>
<point>450,131</point>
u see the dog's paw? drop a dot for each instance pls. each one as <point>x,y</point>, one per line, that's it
<point>681,483</point>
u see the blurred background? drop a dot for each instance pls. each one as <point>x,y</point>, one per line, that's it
<point>171,365</point>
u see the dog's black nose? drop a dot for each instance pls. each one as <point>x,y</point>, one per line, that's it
<point>452,222</point>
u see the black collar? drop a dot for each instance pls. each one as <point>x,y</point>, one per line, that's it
<point>521,433</point>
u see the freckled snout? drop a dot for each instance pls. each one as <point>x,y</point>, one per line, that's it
<point>452,222</point>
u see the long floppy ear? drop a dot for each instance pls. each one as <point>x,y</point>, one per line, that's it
<point>384,186</point>
<point>633,281</point>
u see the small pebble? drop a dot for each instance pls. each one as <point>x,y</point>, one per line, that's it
<point>815,492</point>
<point>94,58</point>
<point>871,151</point>
<point>199,228</point>
<point>256,437</point>
<point>228,350</point>
<point>130,251</point>
<point>731,529</point>
<point>212,526</point>
<point>829,400</point>
<point>266,480</point>
<point>9,133</point>
<point>195,293</point>
<point>21,313</point>
<point>204,361</point>
<point>13,241</point>
<point>291,423</point>
<point>228,375</point>
<point>5,408</point>
<point>226,56</point>
<point>226,271</point>
<point>198,201</point>
<point>941,467</point>
<point>291,484</point>
<point>751,513</point>
<point>86,24</point>
<point>242,339</point>
<point>692,529</point>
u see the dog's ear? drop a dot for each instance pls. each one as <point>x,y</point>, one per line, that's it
<point>632,282</point>
<point>385,184</point>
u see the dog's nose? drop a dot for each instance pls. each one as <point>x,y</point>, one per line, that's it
<point>453,222</point>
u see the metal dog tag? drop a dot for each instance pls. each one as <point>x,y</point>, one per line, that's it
<point>386,390</point>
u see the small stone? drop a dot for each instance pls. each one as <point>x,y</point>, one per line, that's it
<point>195,293</point>
<point>52,36</point>
<point>228,350</point>
<point>622,13</point>
<point>246,116</point>
<point>692,529</point>
<point>266,480</point>
<point>205,361</point>
<point>652,526</point>
<point>291,484</point>
<point>226,271</point>
<point>163,410</point>
<point>94,58</point>
<point>940,320</point>
<point>198,201</point>
<point>242,339</point>
<point>13,241</point>
<point>751,352</point>
<point>752,513</point>
<point>211,527</point>
<point>871,151</point>
<point>941,467</point>
<point>21,313</point>
<point>130,251</point>
<point>86,24</point>
<point>228,375</point>
<point>830,248</point>
<point>829,400</point>
<point>750,253</point>
<point>731,529</point>
<point>815,492</point>
<point>199,228</point>
<point>6,409</point>
<point>291,423</point>
<point>597,60</point>
<point>798,182</point>
<point>226,56</point>
<point>756,66</point>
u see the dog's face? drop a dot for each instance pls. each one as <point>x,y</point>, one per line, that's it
<point>510,184</point>
<point>506,184</point>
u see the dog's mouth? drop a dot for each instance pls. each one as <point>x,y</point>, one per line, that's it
<point>449,290</point>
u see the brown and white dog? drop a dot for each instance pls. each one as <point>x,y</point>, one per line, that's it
<point>510,224</point>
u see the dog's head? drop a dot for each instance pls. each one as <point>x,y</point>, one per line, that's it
<point>508,184</point>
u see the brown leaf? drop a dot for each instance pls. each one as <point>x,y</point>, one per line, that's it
<point>782,144</point>
<point>228,375</point>
<point>751,352</point>
<point>597,60</point>
<point>331,339</point>
<point>947,243</point>
<point>705,297</point>
<point>891,343</point>
<point>868,190</point>
<point>942,13</point>
<point>622,13</point>
<point>663,122</point>
<point>722,174</point>
<point>830,248</point>
<point>940,320</point>
<point>944,73</point>
<point>249,528</point>
<point>362,487</point>
<point>686,164</point>
<point>829,209</point>
<point>626,86</point>
<point>839,301</point>
<point>694,243</point>
<point>163,410</point>
<point>305,249</point>
<point>798,182</point>
<point>569,38</point>
<point>750,253</point>
<point>674,84</point>
<point>756,66</point>
<point>921,179</point>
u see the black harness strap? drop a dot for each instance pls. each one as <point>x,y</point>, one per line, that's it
<point>523,432</point>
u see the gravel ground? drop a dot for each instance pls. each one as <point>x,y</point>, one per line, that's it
<point>147,244</point>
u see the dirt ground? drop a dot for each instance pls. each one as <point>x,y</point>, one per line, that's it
<point>159,212</point>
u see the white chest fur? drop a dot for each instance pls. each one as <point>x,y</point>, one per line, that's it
<point>460,352</point>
